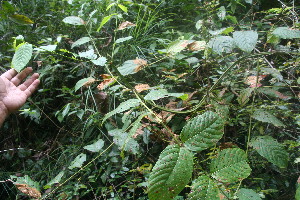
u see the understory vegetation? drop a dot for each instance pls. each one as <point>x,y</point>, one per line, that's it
<point>153,99</point>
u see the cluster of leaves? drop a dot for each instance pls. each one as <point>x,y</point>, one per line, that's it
<point>154,100</point>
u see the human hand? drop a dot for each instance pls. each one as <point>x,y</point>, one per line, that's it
<point>13,93</point>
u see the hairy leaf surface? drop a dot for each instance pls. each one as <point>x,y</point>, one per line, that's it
<point>245,40</point>
<point>202,131</point>
<point>273,151</point>
<point>171,173</point>
<point>204,188</point>
<point>221,44</point>
<point>230,166</point>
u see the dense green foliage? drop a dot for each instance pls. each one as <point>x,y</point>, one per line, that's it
<point>153,99</point>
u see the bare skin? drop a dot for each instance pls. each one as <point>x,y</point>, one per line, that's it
<point>14,93</point>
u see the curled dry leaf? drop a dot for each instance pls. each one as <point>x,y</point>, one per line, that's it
<point>108,80</point>
<point>89,82</point>
<point>32,192</point>
<point>140,63</point>
<point>197,46</point>
<point>125,25</point>
<point>141,87</point>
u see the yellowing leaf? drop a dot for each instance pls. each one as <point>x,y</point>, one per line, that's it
<point>126,24</point>
<point>21,19</point>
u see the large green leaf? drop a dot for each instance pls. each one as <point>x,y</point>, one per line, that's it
<point>273,151</point>
<point>265,116</point>
<point>132,66</point>
<point>204,188</point>
<point>130,103</point>
<point>230,166</point>
<point>96,146</point>
<point>286,33</point>
<point>245,40</point>
<point>22,56</point>
<point>161,93</point>
<point>171,173</point>
<point>221,44</point>
<point>84,82</point>
<point>105,20</point>
<point>202,131</point>
<point>247,194</point>
<point>78,161</point>
<point>81,41</point>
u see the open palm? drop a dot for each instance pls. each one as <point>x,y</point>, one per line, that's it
<point>13,93</point>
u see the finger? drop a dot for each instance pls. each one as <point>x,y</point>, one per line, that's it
<point>32,88</point>
<point>21,76</point>
<point>9,74</point>
<point>28,82</point>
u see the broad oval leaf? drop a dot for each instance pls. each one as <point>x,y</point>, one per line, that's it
<point>161,93</point>
<point>171,173</point>
<point>84,82</point>
<point>101,61</point>
<point>130,103</point>
<point>46,48</point>
<point>78,161</point>
<point>286,33</point>
<point>96,146</point>
<point>204,188</point>
<point>221,44</point>
<point>230,166</point>
<point>74,20</point>
<point>81,41</point>
<point>132,66</point>
<point>247,194</point>
<point>264,116</point>
<point>22,56</point>
<point>202,131</point>
<point>273,151</point>
<point>177,46</point>
<point>245,40</point>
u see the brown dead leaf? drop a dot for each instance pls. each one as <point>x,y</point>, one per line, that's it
<point>89,82</point>
<point>196,46</point>
<point>126,24</point>
<point>140,63</point>
<point>141,87</point>
<point>107,81</point>
<point>253,81</point>
<point>32,192</point>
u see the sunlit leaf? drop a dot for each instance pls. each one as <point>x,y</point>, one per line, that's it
<point>221,44</point>
<point>95,147</point>
<point>286,33</point>
<point>73,20</point>
<point>124,141</point>
<point>161,93</point>
<point>84,82</point>
<point>105,20</point>
<point>245,40</point>
<point>46,48</point>
<point>90,54</point>
<point>132,66</point>
<point>120,40</point>
<point>80,41</point>
<point>126,24</point>
<point>124,8</point>
<point>101,61</point>
<point>22,56</point>
<point>78,161</point>
<point>21,19</point>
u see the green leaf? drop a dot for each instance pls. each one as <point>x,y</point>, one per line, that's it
<point>80,41</point>
<point>245,40</point>
<point>130,103</point>
<point>204,188</point>
<point>222,13</point>
<point>264,116</point>
<point>95,147</point>
<point>66,110</point>
<point>123,8</point>
<point>104,21</point>
<point>171,173</point>
<point>90,54</point>
<point>244,96</point>
<point>25,180</point>
<point>132,66</point>
<point>46,48</point>
<point>83,82</point>
<point>120,40</point>
<point>177,46</point>
<point>101,61</point>
<point>221,44</point>
<point>73,20</point>
<point>270,149</point>
<point>124,141</point>
<point>249,1</point>
<point>161,93</point>
<point>286,33</point>
<point>247,194</point>
<point>202,131</point>
<point>57,178</point>
<point>78,161</point>
<point>22,56</point>
<point>230,166</point>
<point>21,19</point>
